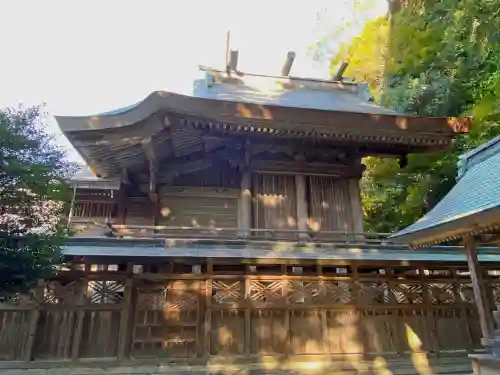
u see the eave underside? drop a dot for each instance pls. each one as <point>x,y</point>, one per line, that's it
<point>169,137</point>
<point>172,124</point>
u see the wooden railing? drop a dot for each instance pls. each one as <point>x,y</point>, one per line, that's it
<point>146,231</point>
<point>116,314</point>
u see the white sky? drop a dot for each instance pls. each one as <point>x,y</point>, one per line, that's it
<point>91,56</point>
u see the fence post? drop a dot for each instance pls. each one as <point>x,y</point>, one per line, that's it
<point>35,313</point>
<point>126,315</point>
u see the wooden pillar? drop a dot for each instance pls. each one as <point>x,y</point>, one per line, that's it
<point>245,205</point>
<point>121,201</point>
<point>248,317</point>
<point>356,208</point>
<point>302,214</point>
<point>208,310</point>
<point>127,315</point>
<point>80,316</point>
<point>484,316</point>
<point>35,314</point>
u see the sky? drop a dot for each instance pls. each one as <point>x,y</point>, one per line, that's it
<point>91,56</point>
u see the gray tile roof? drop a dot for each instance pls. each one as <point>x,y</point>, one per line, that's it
<point>328,96</point>
<point>473,202</point>
<point>338,97</point>
<point>285,251</point>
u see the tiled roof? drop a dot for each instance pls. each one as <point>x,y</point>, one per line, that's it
<point>472,206</point>
<point>285,251</point>
<point>330,96</point>
<point>262,90</point>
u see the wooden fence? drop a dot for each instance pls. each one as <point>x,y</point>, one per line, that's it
<point>209,310</point>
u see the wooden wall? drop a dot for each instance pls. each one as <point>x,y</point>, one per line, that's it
<point>199,207</point>
<point>275,202</point>
<point>214,310</point>
<point>279,202</point>
<point>330,204</point>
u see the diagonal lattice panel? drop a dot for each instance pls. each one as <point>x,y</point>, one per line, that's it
<point>71,293</point>
<point>266,290</point>
<point>105,291</point>
<point>227,292</point>
<point>338,291</point>
<point>375,293</point>
<point>408,293</point>
<point>181,300</point>
<point>441,293</point>
<point>151,300</point>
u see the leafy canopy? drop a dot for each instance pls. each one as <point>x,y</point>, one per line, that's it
<point>33,198</point>
<point>431,58</point>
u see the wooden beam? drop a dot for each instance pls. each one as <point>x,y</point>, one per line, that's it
<point>306,168</point>
<point>484,316</point>
<point>356,207</point>
<point>35,314</point>
<point>245,205</point>
<point>126,317</point>
<point>302,211</point>
<point>125,178</point>
<point>121,202</point>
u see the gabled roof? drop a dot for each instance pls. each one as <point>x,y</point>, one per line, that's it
<point>472,206</point>
<point>283,108</point>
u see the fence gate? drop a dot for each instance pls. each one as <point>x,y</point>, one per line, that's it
<point>167,319</point>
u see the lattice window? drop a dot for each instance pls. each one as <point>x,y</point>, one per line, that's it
<point>227,291</point>
<point>442,294</point>
<point>105,291</point>
<point>408,293</point>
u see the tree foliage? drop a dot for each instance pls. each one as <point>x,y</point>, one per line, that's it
<point>33,198</point>
<point>439,58</point>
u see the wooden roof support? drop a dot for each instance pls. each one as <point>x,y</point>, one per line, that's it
<point>125,178</point>
<point>287,66</point>
<point>153,169</point>
<point>339,74</point>
<point>484,317</point>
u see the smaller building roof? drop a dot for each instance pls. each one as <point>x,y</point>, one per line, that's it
<point>472,206</point>
<point>85,179</point>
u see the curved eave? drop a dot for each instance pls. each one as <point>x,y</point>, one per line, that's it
<point>472,206</point>
<point>243,112</point>
<point>487,221</point>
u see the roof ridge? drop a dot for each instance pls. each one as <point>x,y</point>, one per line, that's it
<point>477,155</point>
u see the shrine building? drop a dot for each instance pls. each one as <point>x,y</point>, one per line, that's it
<point>226,227</point>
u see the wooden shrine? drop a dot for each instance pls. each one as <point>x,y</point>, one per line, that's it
<point>227,227</point>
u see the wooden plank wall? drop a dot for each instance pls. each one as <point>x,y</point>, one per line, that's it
<point>212,311</point>
<point>199,207</point>
<point>325,206</point>
<point>275,203</point>
<point>329,204</point>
